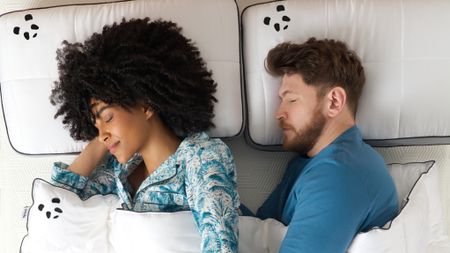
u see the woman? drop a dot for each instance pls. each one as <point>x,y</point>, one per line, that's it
<point>141,94</point>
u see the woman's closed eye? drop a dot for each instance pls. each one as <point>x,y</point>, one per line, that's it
<point>108,118</point>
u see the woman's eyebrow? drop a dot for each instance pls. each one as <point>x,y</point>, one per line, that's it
<point>97,114</point>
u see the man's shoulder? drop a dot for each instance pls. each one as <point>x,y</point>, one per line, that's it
<point>351,153</point>
<point>362,173</point>
<point>341,166</point>
<point>328,170</point>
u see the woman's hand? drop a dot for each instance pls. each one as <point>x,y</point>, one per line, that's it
<point>89,158</point>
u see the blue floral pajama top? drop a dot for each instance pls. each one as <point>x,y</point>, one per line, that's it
<point>200,176</point>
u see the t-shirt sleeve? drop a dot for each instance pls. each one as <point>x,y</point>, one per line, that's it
<point>331,206</point>
<point>273,206</point>
<point>213,198</point>
<point>101,181</point>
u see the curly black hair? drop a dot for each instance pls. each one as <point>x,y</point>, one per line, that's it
<point>136,62</point>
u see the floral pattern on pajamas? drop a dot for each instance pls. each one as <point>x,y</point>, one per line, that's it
<point>200,176</point>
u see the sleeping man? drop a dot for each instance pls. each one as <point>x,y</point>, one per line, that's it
<point>337,186</point>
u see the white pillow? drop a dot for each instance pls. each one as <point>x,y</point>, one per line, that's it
<point>14,5</point>
<point>419,227</point>
<point>95,225</point>
<point>405,176</point>
<point>28,67</point>
<point>177,233</point>
<point>154,232</point>
<point>257,235</point>
<point>59,221</point>
<point>403,47</point>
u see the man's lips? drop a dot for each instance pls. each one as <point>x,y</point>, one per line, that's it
<point>285,127</point>
<point>112,148</point>
<point>287,132</point>
<point>282,124</point>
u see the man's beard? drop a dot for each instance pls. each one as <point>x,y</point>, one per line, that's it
<point>305,139</point>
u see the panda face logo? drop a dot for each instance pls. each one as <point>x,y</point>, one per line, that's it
<point>280,22</point>
<point>51,211</point>
<point>30,30</point>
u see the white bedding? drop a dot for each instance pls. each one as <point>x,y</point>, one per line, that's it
<point>258,171</point>
<point>59,221</point>
<point>95,225</point>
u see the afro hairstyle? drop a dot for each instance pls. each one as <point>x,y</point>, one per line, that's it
<point>136,62</point>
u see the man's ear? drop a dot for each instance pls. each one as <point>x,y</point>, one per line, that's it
<point>336,100</point>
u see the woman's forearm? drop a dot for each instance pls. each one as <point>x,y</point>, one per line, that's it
<point>89,158</point>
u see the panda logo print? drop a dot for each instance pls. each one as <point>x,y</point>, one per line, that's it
<point>51,211</point>
<point>279,23</point>
<point>30,29</point>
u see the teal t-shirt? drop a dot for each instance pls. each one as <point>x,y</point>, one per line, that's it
<point>327,199</point>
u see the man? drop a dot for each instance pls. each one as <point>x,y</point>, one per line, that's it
<point>338,185</point>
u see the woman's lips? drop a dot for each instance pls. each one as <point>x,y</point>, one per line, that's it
<point>112,148</point>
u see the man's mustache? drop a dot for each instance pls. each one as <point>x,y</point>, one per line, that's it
<point>282,124</point>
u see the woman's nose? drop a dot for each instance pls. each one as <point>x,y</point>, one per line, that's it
<point>103,134</point>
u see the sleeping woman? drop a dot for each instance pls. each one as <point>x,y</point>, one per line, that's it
<point>140,93</point>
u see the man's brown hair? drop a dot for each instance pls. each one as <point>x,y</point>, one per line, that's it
<point>323,63</point>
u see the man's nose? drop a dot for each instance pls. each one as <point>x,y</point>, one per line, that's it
<point>280,113</point>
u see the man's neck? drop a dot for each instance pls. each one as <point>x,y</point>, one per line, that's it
<point>332,130</point>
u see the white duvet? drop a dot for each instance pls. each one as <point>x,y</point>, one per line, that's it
<point>60,222</point>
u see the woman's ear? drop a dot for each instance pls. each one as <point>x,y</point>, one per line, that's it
<point>337,98</point>
<point>148,111</point>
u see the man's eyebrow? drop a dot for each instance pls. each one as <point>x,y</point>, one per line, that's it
<point>285,92</point>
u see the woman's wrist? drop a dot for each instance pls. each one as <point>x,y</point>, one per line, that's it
<point>89,158</point>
